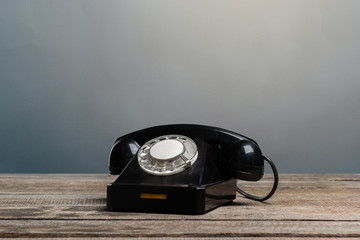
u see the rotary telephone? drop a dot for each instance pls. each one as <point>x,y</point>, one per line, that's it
<point>182,168</point>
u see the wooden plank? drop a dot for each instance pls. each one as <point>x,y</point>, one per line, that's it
<point>309,199</point>
<point>197,238</point>
<point>235,211</point>
<point>62,206</point>
<point>177,228</point>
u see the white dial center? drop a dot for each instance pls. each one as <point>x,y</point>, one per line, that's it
<point>166,149</point>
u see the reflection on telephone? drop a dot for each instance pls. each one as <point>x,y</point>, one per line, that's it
<point>182,168</point>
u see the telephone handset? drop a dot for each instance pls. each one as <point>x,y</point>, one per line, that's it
<point>183,168</point>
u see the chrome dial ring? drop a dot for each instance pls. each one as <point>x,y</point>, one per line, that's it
<point>167,155</point>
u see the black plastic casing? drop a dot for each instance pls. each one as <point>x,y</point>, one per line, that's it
<point>179,199</point>
<point>223,157</point>
<point>239,163</point>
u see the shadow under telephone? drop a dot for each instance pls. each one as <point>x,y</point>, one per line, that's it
<point>182,168</point>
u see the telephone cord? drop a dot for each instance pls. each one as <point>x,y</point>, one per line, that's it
<point>276,181</point>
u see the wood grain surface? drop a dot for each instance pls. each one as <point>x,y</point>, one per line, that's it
<point>64,206</point>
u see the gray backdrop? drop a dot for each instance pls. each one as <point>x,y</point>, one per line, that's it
<point>75,75</point>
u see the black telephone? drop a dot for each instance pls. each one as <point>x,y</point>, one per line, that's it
<point>182,168</point>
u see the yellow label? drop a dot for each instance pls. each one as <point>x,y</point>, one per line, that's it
<point>153,196</point>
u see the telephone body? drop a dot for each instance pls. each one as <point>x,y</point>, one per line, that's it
<point>180,168</point>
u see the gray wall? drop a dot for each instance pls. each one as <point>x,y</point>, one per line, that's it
<point>75,75</point>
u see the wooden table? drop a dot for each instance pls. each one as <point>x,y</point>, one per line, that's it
<point>66,206</point>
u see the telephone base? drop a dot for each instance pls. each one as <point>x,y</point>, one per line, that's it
<point>170,199</point>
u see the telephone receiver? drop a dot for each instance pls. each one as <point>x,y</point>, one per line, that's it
<point>183,168</point>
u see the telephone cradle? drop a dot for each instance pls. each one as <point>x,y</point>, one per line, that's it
<point>182,168</point>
